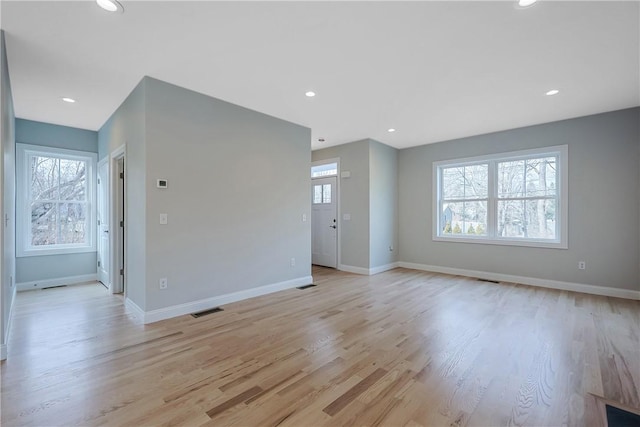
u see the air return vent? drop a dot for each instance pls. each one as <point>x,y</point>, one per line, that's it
<point>205,312</point>
<point>487,280</point>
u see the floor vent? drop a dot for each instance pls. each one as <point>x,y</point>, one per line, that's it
<point>205,312</point>
<point>487,280</point>
<point>305,287</point>
<point>53,287</point>
<point>617,417</point>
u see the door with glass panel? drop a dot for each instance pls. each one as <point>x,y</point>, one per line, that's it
<point>324,235</point>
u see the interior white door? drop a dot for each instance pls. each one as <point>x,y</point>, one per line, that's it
<point>324,224</point>
<point>103,223</point>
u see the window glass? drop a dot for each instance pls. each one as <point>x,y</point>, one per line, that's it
<point>510,197</point>
<point>54,200</point>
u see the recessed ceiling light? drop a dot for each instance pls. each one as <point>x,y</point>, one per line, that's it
<point>391,130</point>
<point>110,5</point>
<point>310,94</point>
<point>69,100</point>
<point>553,92</point>
<point>526,3</point>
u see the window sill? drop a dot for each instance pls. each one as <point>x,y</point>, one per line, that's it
<point>54,251</point>
<point>504,242</point>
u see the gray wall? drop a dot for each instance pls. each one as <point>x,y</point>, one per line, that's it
<point>46,267</point>
<point>383,204</point>
<point>238,187</point>
<point>127,126</point>
<point>354,200</point>
<point>604,206</point>
<point>370,196</point>
<point>7,201</point>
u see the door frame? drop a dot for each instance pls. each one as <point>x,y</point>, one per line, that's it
<point>116,247</point>
<point>338,204</point>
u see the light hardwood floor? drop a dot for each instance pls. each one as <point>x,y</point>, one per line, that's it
<point>402,348</point>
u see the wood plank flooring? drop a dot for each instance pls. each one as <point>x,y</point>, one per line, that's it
<point>401,348</point>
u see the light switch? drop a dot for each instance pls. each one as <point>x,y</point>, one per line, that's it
<point>346,217</point>
<point>164,218</point>
<point>304,217</point>
<point>345,174</point>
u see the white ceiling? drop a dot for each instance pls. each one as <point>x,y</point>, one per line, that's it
<point>432,70</point>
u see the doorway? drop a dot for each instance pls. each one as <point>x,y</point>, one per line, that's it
<point>324,221</point>
<point>117,212</point>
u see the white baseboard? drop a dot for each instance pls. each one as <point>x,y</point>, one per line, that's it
<point>352,269</point>
<point>383,268</point>
<point>205,304</point>
<point>59,281</point>
<point>135,309</point>
<point>532,281</point>
<point>4,346</point>
<point>367,271</point>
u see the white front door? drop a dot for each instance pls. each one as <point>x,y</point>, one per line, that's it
<point>324,235</point>
<point>103,222</point>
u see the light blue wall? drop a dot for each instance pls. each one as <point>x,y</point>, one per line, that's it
<point>7,200</point>
<point>47,267</point>
<point>49,135</point>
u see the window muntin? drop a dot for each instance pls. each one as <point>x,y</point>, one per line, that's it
<point>327,169</point>
<point>513,198</point>
<point>55,201</point>
<point>321,194</point>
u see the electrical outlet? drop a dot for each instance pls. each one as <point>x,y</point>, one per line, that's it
<point>582,265</point>
<point>163,283</point>
<point>293,262</point>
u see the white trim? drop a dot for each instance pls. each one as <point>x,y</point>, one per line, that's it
<point>368,271</point>
<point>4,348</point>
<point>23,197</point>
<point>562,227</point>
<point>352,269</point>
<point>383,268</point>
<point>207,303</point>
<point>531,281</point>
<point>59,281</point>
<point>137,311</point>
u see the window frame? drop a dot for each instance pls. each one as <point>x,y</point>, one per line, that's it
<point>562,227</point>
<point>24,248</point>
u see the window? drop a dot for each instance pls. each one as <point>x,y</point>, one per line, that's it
<point>515,198</point>
<point>55,209</point>
<point>327,169</point>
<point>321,194</point>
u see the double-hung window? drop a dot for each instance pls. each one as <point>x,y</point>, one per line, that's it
<point>55,203</point>
<point>517,198</point>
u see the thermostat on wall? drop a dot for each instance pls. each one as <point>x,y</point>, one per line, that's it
<point>162,183</point>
